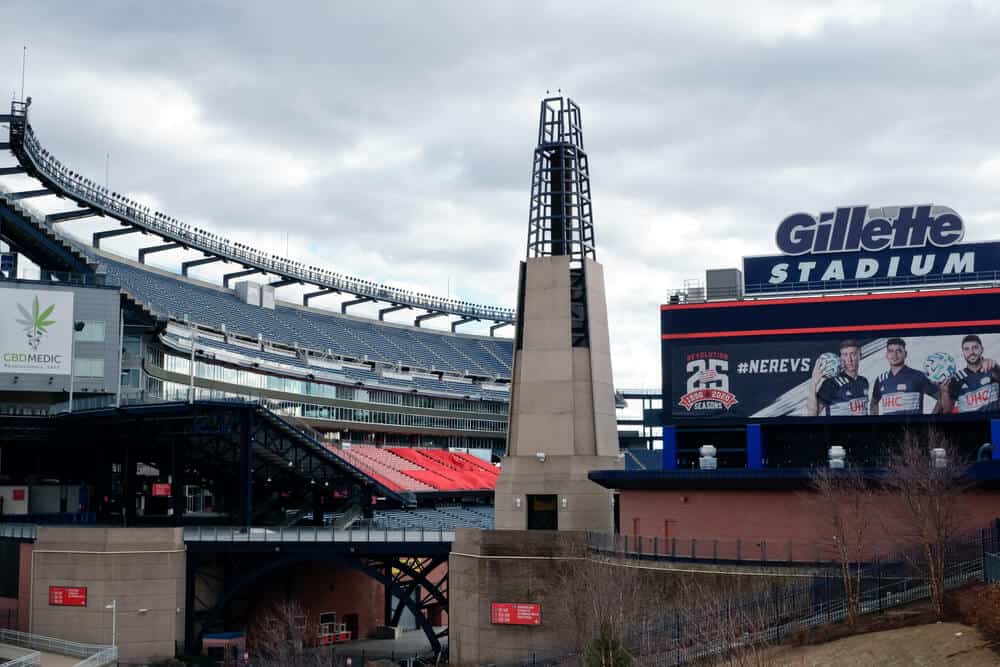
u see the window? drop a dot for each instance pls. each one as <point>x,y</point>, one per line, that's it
<point>93,332</point>
<point>88,368</point>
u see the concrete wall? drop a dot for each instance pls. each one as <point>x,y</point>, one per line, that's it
<point>143,569</point>
<point>508,566</point>
<point>779,517</point>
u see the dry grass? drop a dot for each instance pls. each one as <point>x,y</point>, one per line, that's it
<point>933,644</point>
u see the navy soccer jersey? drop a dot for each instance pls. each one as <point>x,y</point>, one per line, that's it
<point>975,391</point>
<point>844,396</point>
<point>902,393</point>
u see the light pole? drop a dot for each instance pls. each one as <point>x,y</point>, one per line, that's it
<point>114,621</point>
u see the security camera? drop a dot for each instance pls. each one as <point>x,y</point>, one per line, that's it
<point>540,456</point>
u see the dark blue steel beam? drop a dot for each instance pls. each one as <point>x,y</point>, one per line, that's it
<point>27,194</point>
<point>113,232</point>
<point>493,329</point>
<point>427,316</point>
<point>284,281</point>
<point>354,302</point>
<point>6,171</point>
<point>186,266</point>
<point>4,145</point>
<point>157,248</point>
<point>72,215</point>
<point>465,320</point>
<point>238,274</point>
<point>322,292</point>
<point>385,311</point>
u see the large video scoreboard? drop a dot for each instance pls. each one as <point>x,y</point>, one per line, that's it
<point>912,334</point>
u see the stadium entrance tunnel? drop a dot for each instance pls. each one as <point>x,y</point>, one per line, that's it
<point>232,585</point>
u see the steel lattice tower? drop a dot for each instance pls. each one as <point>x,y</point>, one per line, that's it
<point>560,221</point>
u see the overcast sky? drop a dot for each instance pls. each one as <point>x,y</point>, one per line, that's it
<point>393,141</point>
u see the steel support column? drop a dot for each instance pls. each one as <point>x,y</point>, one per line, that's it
<point>238,274</point>
<point>72,215</point>
<point>322,292</point>
<point>186,266</point>
<point>157,248</point>
<point>28,194</point>
<point>112,232</point>
<point>246,468</point>
<point>427,316</point>
<point>493,329</point>
<point>385,311</point>
<point>354,302</point>
<point>465,320</point>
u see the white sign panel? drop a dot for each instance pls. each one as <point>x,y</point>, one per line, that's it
<point>36,331</point>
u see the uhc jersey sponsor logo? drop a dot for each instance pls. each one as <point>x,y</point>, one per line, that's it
<point>708,382</point>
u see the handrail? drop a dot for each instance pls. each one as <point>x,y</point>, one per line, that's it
<point>819,288</point>
<point>28,149</point>
<point>95,654</point>
<point>310,534</point>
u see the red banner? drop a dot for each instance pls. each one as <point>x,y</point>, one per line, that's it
<point>161,489</point>
<point>68,596</point>
<point>513,613</point>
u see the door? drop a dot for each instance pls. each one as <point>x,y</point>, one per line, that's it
<point>543,512</point>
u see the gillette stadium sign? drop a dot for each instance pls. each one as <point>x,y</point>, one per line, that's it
<point>862,246</point>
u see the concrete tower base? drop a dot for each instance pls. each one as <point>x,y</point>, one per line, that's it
<point>562,415</point>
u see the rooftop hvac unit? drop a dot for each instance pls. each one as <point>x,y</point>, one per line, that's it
<point>724,284</point>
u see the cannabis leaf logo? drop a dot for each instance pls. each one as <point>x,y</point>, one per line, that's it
<point>35,323</point>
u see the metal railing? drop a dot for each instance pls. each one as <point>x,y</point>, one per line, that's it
<point>817,288</point>
<point>29,658</point>
<point>89,193</point>
<point>18,531</point>
<point>770,552</point>
<point>94,654</point>
<point>991,568</point>
<point>306,534</point>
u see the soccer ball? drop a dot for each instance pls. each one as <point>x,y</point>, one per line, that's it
<point>939,366</point>
<point>830,364</point>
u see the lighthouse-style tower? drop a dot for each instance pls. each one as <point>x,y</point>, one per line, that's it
<point>562,409</point>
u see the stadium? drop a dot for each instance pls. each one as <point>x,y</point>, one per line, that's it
<point>186,452</point>
<point>138,396</point>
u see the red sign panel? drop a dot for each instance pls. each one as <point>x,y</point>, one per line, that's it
<point>68,596</point>
<point>18,494</point>
<point>161,489</point>
<point>513,613</point>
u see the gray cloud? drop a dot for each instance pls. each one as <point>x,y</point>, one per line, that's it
<point>394,140</point>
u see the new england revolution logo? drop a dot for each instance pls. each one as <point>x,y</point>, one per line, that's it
<point>708,382</point>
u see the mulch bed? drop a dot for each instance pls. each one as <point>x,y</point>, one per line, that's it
<point>978,605</point>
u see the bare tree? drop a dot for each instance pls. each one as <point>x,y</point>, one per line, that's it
<point>845,503</point>
<point>927,477</point>
<point>279,636</point>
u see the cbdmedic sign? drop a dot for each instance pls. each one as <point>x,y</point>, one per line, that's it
<point>861,246</point>
<point>36,331</point>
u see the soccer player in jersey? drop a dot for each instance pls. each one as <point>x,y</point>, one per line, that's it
<point>846,394</point>
<point>901,389</point>
<point>975,388</point>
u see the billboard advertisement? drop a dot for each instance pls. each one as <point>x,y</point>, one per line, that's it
<point>36,336</point>
<point>861,246</point>
<point>843,376</point>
